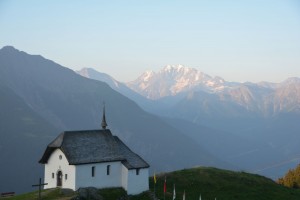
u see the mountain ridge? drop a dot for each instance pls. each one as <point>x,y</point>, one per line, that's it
<point>117,86</point>
<point>174,79</point>
<point>178,82</point>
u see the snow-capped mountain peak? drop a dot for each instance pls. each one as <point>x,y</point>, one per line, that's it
<point>174,79</point>
<point>148,75</point>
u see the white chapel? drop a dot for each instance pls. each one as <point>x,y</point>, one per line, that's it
<point>93,158</point>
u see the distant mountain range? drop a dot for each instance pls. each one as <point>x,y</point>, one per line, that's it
<point>177,83</point>
<point>251,125</point>
<point>40,98</point>
<point>264,98</point>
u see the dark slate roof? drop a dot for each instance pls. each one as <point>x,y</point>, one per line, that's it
<point>93,146</point>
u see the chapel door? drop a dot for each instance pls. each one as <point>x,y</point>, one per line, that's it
<point>59,179</point>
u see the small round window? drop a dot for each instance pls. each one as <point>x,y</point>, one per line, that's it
<point>60,157</point>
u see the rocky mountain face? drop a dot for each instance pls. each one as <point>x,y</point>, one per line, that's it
<point>40,98</point>
<point>246,100</point>
<point>172,80</point>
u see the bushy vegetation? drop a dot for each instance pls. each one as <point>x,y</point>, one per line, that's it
<point>291,179</point>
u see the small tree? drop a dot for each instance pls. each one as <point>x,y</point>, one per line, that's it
<point>291,178</point>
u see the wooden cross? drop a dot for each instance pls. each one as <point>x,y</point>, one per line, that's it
<point>40,187</point>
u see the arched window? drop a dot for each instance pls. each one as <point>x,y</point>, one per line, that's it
<point>93,171</point>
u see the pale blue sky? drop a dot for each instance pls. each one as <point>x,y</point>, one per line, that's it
<point>239,40</point>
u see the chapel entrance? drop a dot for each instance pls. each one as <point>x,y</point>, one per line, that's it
<point>59,179</point>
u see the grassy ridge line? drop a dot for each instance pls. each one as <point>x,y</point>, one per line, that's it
<point>214,183</point>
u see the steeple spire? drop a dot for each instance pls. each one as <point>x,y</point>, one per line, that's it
<point>103,123</point>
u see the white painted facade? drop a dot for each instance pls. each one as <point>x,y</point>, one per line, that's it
<point>55,164</point>
<point>134,183</point>
<point>77,176</point>
<point>101,179</point>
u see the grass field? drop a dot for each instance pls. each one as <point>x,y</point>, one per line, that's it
<point>214,183</point>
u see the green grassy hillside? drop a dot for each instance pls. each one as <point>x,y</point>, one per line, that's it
<point>214,183</point>
<point>211,183</point>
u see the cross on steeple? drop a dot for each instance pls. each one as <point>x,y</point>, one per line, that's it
<point>103,123</point>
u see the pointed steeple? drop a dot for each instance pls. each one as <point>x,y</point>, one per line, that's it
<point>103,123</point>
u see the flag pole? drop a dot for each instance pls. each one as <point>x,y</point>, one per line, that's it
<point>174,193</point>
<point>154,189</point>
<point>154,183</point>
<point>165,188</point>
